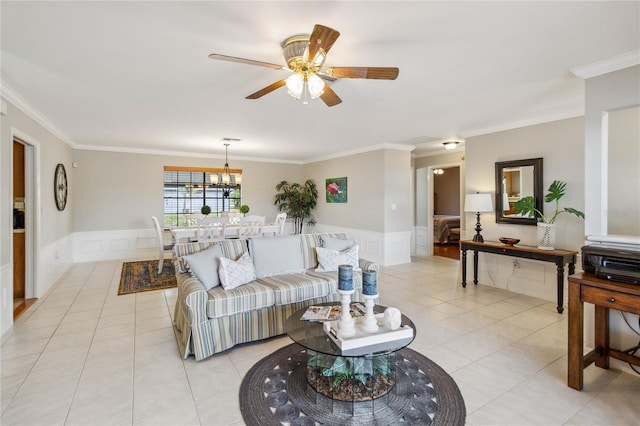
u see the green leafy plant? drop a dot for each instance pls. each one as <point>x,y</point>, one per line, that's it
<point>557,189</point>
<point>344,368</point>
<point>244,209</point>
<point>205,210</point>
<point>297,201</point>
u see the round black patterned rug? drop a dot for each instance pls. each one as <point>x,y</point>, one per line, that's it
<point>275,392</point>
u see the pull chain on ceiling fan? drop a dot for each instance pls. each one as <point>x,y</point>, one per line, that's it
<point>305,55</point>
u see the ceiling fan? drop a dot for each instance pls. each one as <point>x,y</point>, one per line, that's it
<point>305,56</point>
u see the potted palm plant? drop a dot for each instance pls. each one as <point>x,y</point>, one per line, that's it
<point>546,226</point>
<point>297,201</point>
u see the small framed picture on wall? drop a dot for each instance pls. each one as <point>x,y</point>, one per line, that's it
<point>336,190</point>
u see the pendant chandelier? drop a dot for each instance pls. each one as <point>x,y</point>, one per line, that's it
<point>225,179</point>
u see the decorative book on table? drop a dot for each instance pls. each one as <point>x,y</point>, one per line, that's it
<point>331,313</point>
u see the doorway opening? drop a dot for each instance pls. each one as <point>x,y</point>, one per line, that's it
<point>446,211</point>
<point>23,197</point>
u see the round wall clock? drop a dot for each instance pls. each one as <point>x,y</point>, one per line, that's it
<point>60,187</point>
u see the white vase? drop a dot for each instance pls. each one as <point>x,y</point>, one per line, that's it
<point>546,236</point>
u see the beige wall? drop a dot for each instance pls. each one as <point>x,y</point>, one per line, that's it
<point>376,180</point>
<point>603,93</point>
<point>623,175</point>
<point>116,191</point>
<point>50,228</point>
<point>560,144</point>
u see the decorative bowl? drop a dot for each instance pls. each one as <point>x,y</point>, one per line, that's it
<point>509,241</point>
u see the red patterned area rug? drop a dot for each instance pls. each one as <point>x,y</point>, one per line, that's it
<point>143,276</point>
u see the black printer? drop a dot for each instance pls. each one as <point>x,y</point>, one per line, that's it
<point>612,263</point>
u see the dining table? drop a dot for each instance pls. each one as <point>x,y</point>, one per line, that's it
<point>186,234</point>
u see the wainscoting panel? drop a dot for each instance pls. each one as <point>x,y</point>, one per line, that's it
<point>387,249</point>
<point>110,245</point>
<point>6,292</point>
<point>422,248</point>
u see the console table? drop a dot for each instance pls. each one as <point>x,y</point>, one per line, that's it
<point>559,257</point>
<point>604,295</point>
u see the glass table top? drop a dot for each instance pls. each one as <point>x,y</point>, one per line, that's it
<point>311,335</point>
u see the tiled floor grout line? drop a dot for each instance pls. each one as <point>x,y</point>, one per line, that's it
<point>46,296</point>
<point>104,301</point>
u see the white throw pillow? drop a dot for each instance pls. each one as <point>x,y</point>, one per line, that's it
<point>204,265</point>
<point>276,255</point>
<point>234,273</point>
<point>328,259</point>
<point>337,243</point>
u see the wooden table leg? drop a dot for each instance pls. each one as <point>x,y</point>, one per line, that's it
<point>560,267</point>
<point>575,363</point>
<point>475,267</point>
<point>464,267</point>
<point>602,336</point>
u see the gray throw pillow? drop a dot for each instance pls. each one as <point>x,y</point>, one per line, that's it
<point>337,243</point>
<point>204,265</point>
<point>276,255</point>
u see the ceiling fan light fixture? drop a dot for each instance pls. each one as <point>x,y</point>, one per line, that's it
<point>315,85</point>
<point>295,85</point>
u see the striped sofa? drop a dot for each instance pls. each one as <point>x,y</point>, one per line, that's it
<point>212,321</point>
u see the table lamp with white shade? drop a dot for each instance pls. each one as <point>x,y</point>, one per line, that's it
<point>478,203</point>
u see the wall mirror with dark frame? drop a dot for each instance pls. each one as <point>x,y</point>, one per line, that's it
<point>515,180</point>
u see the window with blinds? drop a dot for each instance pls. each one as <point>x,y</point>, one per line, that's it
<point>187,189</point>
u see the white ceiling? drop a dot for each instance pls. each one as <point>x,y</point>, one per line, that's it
<point>136,76</point>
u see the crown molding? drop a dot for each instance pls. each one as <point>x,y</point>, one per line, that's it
<point>19,102</point>
<point>397,147</point>
<point>525,123</point>
<point>145,151</point>
<point>608,65</point>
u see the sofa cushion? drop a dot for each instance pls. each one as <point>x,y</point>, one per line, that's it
<point>328,260</point>
<point>247,297</point>
<point>232,249</point>
<point>337,243</point>
<point>204,265</point>
<point>234,273</point>
<point>291,288</point>
<point>332,279</point>
<point>310,242</point>
<point>182,250</point>
<point>276,255</point>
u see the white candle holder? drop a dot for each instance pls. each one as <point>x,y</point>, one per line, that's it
<point>346,325</point>
<point>369,324</point>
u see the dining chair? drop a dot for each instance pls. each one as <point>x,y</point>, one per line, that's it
<point>192,218</point>
<point>251,226</point>
<point>161,245</point>
<point>281,219</point>
<point>234,218</point>
<point>211,229</point>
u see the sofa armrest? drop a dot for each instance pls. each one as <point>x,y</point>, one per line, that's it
<point>192,293</point>
<point>369,266</point>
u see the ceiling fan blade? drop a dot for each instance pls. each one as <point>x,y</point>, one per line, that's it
<point>246,61</point>
<point>270,88</point>
<point>321,38</point>
<point>378,73</point>
<point>329,96</point>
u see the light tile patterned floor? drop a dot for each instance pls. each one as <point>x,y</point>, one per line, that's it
<point>84,356</point>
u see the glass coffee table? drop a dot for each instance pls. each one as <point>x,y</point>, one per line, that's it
<point>357,383</point>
